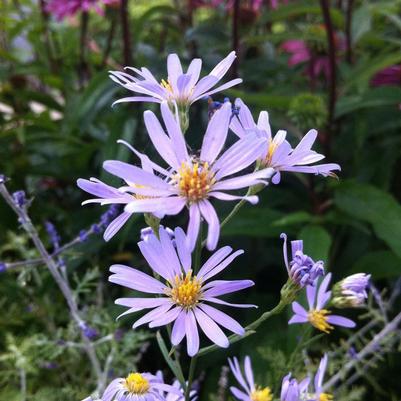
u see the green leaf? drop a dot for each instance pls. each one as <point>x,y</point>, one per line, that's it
<point>361,23</point>
<point>317,242</point>
<point>380,209</point>
<point>380,264</point>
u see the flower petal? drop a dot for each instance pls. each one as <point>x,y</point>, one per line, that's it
<point>192,335</point>
<point>211,329</point>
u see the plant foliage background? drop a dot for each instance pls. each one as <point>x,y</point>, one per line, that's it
<point>57,124</point>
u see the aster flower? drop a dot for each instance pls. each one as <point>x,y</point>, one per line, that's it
<point>250,391</point>
<point>183,297</point>
<point>291,390</point>
<point>319,395</point>
<point>67,8</point>
<point>137,387</point>
<point>180,88</point>
<point>190,180</point>
<point>351,291</point>
<point>317,316</point>
<point>302,269</point>
<point>278,154</point>
<point>193,394</point>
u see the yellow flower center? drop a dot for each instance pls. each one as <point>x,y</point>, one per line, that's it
<point>318,319</point>
<point>270,152</point>
<point>186,290</point>
<point>136,383</point>
<point>263,394</point>
<point>167,85</point>
<point>194,181</point>
<point>325,397</point>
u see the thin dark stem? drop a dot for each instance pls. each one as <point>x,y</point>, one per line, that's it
<point>109,41</point>
<point>235,35</point>
<point>83,41</point>
<point>126,35</point>
<point>191,374</point>
<point>324,4</point>
<point>348,38</point>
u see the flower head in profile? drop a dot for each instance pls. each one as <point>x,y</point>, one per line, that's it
<point>277,152</point>
<point>250,390</point>
<point>317,315</point>
<point>139,387</point>
<point>68,8</point>
<point>302,269</point>
<point>179,87</point>
<point>291,390</point>
<point>190,180</point>
<point>351,292</point>
<point>193,395</point>
<point>181,296</point>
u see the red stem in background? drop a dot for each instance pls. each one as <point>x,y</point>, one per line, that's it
<point>332,65</point>
<point>235,36</point>
<point>110,37</point>
<point>348,38</point>
<point>127,54</point>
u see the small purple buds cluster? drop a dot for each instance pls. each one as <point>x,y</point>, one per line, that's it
<point>19,198</point>
<point>302,269</point>
<point>88,331</point>
<point>351,292</point>
<point>3,267</point>
<point>53,234</point>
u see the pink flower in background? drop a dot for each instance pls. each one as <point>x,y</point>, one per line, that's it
<point>389,76</point>
<point>68,8</point>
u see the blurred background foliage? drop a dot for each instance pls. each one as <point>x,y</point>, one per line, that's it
<point>57,125</point>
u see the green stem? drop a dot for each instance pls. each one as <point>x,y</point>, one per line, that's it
<point>192,368</point>
<point>250,329</point>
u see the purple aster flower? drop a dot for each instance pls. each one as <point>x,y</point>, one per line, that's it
<point>182,296</point>
<point>250,391</point>
<point>291,390</point>
<point>137,387</point>
<point>351,292</point>
<point>181,88</point>
<point>277,152</point>
<point>302,269</point>
<point>193,394</point>
<point>189,181</point>
<point>319,395</point>
<point>317,316</point>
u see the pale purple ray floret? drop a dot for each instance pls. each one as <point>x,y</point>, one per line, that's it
<point>138,387</point>
<point>249,391</point>
<point>291,390</point>
<point>302,269</point>
<point>190,180</point>
<point>278,153</point>
<point>319,393</point>
<point>317,316</point>
<point>181,296</point>
<point>181,88</point>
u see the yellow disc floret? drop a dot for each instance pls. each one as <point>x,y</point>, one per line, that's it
<point>263,394</point>
<point>318,319</point>
<point>167,85</point>
<point>325,397</point>
<point>186,290</point>
<point>194,180</point>
<point>136,383</point>
<point>270,152</point>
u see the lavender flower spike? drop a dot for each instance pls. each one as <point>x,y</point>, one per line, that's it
<point>190,180</point>
<point>278,153</point>
<point>137,386</point>
<point>180,88</point>
<point>351,292</point>
<point>250,391</point>
<point>302,269</point>
<point>181,297</point>
<point>291,390</point>
<point>317,316</point>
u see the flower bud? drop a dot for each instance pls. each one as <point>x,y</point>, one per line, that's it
<point>351,292</point>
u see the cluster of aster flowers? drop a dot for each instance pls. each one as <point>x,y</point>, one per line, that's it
<point>181,292</point>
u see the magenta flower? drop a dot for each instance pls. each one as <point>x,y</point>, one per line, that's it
<point>182,297</point>
<point>387,76</point>
<point>317,316</point>
<point>302,269</point>
<point>278,154</point>
<point>137,387</point>
<point>67,8</point>
<point>189,180</point>
<point>291,390</point>
<point>181,88</point>
<point>250,391</point>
